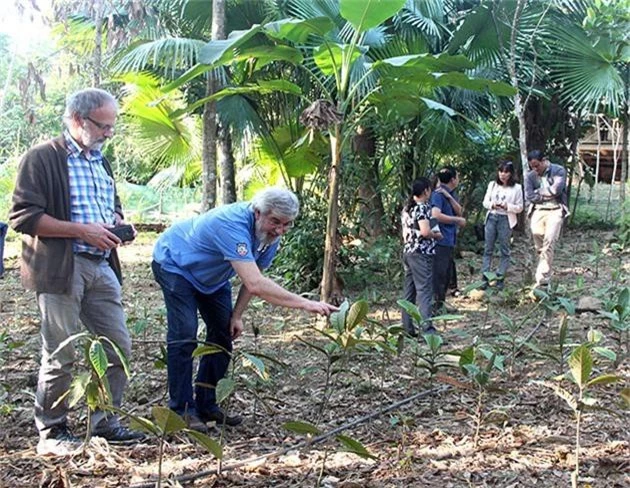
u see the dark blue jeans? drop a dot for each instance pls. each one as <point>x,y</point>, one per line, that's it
<point>3,234</point>
<point>182,303</point>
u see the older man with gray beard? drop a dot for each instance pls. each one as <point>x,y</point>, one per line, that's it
<point>193,261</point>
<point>65,203</point>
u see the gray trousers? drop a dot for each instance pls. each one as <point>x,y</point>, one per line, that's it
<point>95,300</point>
<point>418,287</point>
<point>497,229</point>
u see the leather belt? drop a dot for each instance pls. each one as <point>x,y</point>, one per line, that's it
<point>91,257</point>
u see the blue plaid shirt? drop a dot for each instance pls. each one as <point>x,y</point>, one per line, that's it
<point>91,191</point>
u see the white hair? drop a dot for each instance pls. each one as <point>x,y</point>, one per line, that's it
<point>280,201</point>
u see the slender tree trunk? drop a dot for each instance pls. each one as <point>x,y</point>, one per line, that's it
<point>98,42</point>
<point>599,149</point>
<point>330,248</point>
<point>225,150</point>
<point>209,150</point>
<point>625,127</point>
<point>210,126</point>
<point>226,164</point>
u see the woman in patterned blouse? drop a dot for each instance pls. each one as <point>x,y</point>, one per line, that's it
<point>419,247</point>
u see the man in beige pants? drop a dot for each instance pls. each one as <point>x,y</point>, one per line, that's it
<point>546,192</point>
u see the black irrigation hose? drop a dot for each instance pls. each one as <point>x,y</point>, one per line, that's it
<point>314,440</point>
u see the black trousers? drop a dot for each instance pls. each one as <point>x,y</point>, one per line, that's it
<point>442,273</point>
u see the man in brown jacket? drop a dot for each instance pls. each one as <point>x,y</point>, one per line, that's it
<point>65,204</point>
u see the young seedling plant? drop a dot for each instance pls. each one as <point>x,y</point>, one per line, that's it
<point>580,369</point>
<point>91,384</point>
<point>478,363</point>
<point>166,422</point>
<point>344,336</point>
<point>618,314</point>
<point>315,435</point>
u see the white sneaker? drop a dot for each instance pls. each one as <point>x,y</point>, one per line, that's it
<point>59,442</point>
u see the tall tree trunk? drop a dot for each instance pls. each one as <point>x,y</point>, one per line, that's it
<point>225,150</point>
<point>330,247</point>
<point>210,126</point>
<point>625,127</point>
<point>99,12</point>
<point>226,164</point>
<point>209,149</point>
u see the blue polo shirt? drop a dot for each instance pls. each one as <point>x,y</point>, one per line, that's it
<point>449,231</point>
<point>200,249</point>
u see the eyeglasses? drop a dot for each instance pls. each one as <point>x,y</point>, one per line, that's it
<point>103,127</point>
<point>278,224</point>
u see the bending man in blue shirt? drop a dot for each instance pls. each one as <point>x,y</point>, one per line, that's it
<point>193,262</point>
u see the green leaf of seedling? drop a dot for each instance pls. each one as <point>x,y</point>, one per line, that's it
<point>447,317</point>
<point>70,339</point>
<point>581,365</point>
<point>167,420</point>
<point>313,346</point>
<point>301,428</point>
<point>357,313</point>
<point>594,336</point>
<point>144,425</point>
<point>98,358</point>
<point>567,304</point>
<point>411,309</point>
<point>77,388</point>
<point>434,341</point>
<point>564,330</point>
<point>355,447</point>
<point>206,349</point>
<point>338,319</point>
<point>225,387</point>
<point>212,446</point>
<point>605,353</point>
<point>614,316</point>
<point>121,355</point>
<point>604,379</point>
<point>249,360</point>
<point>475,285</point>
<point>625,397</point>
<point>467,356</point>
<point>562,393</point>
<point>506,320</point>
<point>623,301</point>
<point>92,396</point>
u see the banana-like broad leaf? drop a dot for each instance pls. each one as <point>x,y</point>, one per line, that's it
<point>298,30</point>
<point>301,428</point>
<point>206,349</point>
<point>425,62</point>
<point>167,420</point>
<point>581,365</point>
<point>210,444</point>
<point>329,57</point>
<point>604,379</point>
<point>433,105</point>
<point>338,319</point>
<point>256,364</point>
<point>262,87</point>
<point>367,14</point>
<point>225,387</point>
<point>266,54</point>
<point>78,388</point>
<point>98,358</point>
<point>354,446</point>
<point>220,52</point>
<point>358,311</point>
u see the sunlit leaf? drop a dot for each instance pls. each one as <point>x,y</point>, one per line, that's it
<point>301,428</point>
<point>167,420</point>
<point>210,444</point>
<point>355,446</point>
<point>225,387</point>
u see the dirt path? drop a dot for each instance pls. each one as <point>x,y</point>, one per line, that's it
<point>527,440</point>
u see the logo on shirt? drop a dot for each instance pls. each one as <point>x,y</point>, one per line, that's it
<point>241,249</point>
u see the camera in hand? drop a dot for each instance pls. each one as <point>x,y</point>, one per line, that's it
<point>123,232</point>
